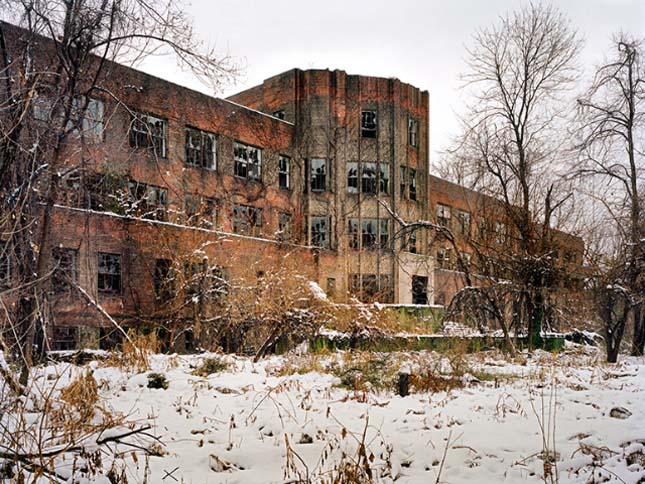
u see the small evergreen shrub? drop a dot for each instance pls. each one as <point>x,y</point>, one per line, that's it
<point>157,380</point>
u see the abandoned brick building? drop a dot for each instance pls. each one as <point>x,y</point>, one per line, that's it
<point>315,165</point>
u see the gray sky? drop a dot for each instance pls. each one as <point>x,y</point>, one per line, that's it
<point>420,42</point>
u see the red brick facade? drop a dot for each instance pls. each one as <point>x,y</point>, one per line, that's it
<point>336,153</point>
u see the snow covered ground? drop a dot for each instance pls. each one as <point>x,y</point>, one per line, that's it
<point>568,418</point>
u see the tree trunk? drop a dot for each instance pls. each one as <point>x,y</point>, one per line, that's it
<point>638,342</point>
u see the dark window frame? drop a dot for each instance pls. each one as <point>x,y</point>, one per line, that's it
<point>144,132</point>
<point>106,280</point>
<point>413,132</point>
<point>369,123</point>
<point>204,153</point>
<point>247,161</point>
<point>284,172</point>
<point>318,171</point>
<point>247,220</point>
<point>320,238</point>
<point>64,274</point>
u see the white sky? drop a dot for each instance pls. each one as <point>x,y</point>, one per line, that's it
<point>420,42</point>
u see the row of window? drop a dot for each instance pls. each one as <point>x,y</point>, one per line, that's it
<point>198,277</point>
<point>372,287</point>
<point>446,259</point>
<point>462,220</point>
<point>369,127</point>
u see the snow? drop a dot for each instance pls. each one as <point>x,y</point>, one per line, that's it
<point>230,427</point>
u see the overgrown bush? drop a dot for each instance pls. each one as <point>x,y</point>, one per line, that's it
<point>210,366</point>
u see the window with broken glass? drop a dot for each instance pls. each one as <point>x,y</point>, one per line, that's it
<point>463,221</point>
<point>318,175</point>
<point>200,211</point>
<point>374,177</point>
<point>444,259</point>
<point>371,287</point>
<point>284,227</point>
<point>247,220</point>
<point>85,116</point>
<point>368,123</point>
<point>248,161</point>
<point>413,132</point>
<point>368,178</point>
<point>443,215</point>
<point>148,131</point>
<point>369,233</point>
<point>201,149</point>
<point>147,201</point>
<point>412,188</point>
<point>384,178</point>
<point>109,273</point>
<point>375,233</point>
<point>65,272</point>
<point>320,236</point>
<point>403,179</point>
<point>410,242</point>
<point>204,282</point>
<point>284,172</point>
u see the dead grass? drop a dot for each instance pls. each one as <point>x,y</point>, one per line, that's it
<point>135,352</point>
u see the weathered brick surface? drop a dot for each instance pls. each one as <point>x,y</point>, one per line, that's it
<point>322,113</point>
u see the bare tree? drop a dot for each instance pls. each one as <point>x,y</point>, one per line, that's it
<point>520,70</point>
<point>57,62</point>
<point>612,150</point>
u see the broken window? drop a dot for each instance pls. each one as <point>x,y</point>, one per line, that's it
<point>109,273</point>
<point>368,178</point>
<point>463,220</point>
<point>412,188</point>
<point>247,220</point>
<point>443,215</point>
<point>320,231</point>
<point>279,114</point>
<point>368,123</point>
<point>444,259</point>
<point>248,161</point>
<point>284,172</point>
<point>204,282</point>
<point>5,264</point>
<point>284,227</point>
<point>64,338</point>
<point>413,132</point>
<point>201,149</point>
<point>410,242</point>
<point>147,201</point>
<point>318,175</point>
<point>65,263</point>
<point>403,178</point>
<point>373,177</point>
<point>375,233</point>
<point>352,177</point>
<point>384,178</point>
<point>384,233</point>
<point>148,131</point>
<point>419,290</point>
<point>200,211</point>
<point>163,279</point>
<point>86,117</point>
<point>352,232</point>
<point>371,287</point>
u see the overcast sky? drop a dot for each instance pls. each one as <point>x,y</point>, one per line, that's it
<point>421,42</point>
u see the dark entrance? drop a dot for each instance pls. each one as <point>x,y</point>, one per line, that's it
<point>419,290</point>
